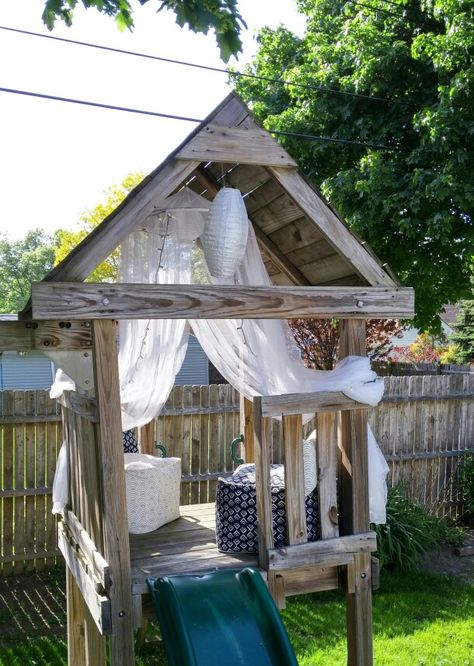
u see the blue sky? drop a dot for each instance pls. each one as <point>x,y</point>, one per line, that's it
<point>57,159</point>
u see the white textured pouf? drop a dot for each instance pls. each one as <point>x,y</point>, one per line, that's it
<point>153,488</point>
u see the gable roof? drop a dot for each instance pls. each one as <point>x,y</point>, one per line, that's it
<point>302,239</point>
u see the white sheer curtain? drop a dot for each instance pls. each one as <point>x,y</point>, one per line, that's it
<point>151,351</point>
<point>260,357</point>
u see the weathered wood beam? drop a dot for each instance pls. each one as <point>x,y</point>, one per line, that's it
<point>335,231</point>
<point>328,552</point>
<point>44,335</point>
<point>98,604</point>
<point>305,403</point>
<point>262,436</point>
<point>148,301</point>
<point>254,145</point>
<point>354,510</point>
<point>80,404</point>
<point>114,503</point>
<point>326,446</point>
<point>279,259</point>
<point>93,557</point>
<point>294,479</point>
<point>265,243</point>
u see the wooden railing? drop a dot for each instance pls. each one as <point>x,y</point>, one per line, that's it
<point>424,426</point>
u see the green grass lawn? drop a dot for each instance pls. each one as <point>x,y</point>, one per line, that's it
<point>419,620</point>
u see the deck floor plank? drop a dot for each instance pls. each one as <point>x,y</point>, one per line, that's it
<point>185,545</point>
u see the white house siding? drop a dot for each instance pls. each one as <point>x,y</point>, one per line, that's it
<point>195,368</point>
<point>32,370</point>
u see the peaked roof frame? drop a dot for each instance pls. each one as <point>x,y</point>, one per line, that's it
<point>231,134</point>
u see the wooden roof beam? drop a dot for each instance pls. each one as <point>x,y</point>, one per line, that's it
<point>335,231</point>
<point>252,145</point>
<point>53,300</point>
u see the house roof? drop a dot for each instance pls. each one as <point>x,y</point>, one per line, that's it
<point>449,314</point>
<point>302,238</point>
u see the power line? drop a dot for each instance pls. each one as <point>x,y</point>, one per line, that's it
<point>221,70</point>
<point>113,107</point>
<point>299,135</point>
<point>99,105</point>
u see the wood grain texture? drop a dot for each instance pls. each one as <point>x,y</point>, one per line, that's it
<point>44,335</point>
<point>305,403</point>
<point>245,145</point>
<point>262,434</point>
<point>94,642</point>
<point>98,604</point>
<point>142,301</point>
<point>306,580</point>
<point>354,513</point>
<point>75,622</point>
<point>359,614</point>
<point>246,428</point>
<point>330,225</point>
<point>80,404</point>
<point>326,446</point>
<point>328,552</point>
<point>93,557</point>
<point>279,259</point>
<point>294,479</point>
<point>114,506</point>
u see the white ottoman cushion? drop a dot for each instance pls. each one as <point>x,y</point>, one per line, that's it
<point>153,489</point>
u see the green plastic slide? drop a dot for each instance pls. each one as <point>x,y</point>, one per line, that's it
<point>222,618</point>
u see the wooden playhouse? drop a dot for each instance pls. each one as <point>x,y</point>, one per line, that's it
<point>320,269</point>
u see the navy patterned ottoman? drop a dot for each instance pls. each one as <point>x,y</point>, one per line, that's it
<point>236,511</point>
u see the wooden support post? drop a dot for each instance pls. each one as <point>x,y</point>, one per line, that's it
<point>116,540</point>
<point>147,439</point>
<point>94,642</point>
<point>246,428</point>
<point>354,511</point>
<point>326,445</point>
<point>294,479</point>
<point>263,443</point>
<point>75,622</point>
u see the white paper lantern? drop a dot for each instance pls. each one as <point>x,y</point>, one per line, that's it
<point>225,235</point>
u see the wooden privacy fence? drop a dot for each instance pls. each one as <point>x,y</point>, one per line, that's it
<point>424,426</point>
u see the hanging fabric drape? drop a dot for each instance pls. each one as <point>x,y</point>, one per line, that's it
<point>151,351</point>
<point>260,357</point>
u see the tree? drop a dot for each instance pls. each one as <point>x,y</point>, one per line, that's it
<point>463,337</point>
<point>22,262</point>
<point>67,240</point>
<point>318,339</point>
<point>426,349</point>
<point>411,202</point>
<point>198,15</point>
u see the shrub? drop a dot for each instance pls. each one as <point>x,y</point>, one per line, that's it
<point>409,532</point>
